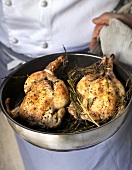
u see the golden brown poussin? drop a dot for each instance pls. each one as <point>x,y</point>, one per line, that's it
<point>45,98</point>
<point>99,94</point>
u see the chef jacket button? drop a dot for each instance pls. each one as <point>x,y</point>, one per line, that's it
<point>44,45</point>
<point>44,3</point>
<point>14,41</point>
<point>8,2</point>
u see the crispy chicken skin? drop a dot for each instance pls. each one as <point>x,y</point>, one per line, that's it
<point>45,99</point>
<point>99,93</point>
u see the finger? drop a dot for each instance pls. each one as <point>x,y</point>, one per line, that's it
<point>97,30</point>
<point>92,43</point>
<point>104,18</point>
<point>95,35</point>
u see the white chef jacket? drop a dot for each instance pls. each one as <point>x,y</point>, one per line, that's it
<point>40,27</point>
<point>38,34</point>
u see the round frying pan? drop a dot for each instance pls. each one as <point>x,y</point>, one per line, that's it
<point>12,88</point>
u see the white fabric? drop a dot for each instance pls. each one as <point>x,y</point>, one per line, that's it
<point>117,39</point>
<point>32,27</point>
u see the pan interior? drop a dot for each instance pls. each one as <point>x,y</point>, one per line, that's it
<point>13,87</point>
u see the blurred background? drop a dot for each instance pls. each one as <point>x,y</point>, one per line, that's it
<point>10,158</point>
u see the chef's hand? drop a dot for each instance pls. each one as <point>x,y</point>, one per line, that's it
<point>104,20</point>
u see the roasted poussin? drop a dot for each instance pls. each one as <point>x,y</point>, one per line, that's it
<point>99,94</point>
<point>45,98</point>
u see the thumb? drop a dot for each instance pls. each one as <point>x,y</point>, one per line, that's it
<point>103,19</point>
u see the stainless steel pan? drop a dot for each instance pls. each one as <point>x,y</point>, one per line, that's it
<point>12,87</point>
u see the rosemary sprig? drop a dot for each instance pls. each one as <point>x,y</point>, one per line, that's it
<point>75,98</point>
